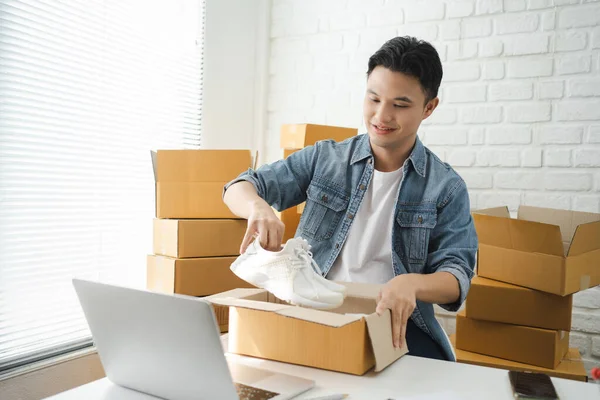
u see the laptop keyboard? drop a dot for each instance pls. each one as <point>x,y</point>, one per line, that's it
<point>246,392</point>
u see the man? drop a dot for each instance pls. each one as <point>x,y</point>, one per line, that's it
<point>380,207</point>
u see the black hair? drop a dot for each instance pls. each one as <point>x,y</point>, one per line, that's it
<point>412,57</point>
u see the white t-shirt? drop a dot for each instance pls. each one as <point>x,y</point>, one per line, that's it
<point>367,253</point>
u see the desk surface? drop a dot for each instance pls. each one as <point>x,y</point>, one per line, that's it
<point>410,378</point>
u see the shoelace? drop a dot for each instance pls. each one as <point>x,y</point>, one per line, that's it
<point>304,257</point>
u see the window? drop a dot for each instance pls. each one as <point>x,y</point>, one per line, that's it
<point>87,89</point>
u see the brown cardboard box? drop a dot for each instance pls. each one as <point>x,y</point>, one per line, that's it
<point>291,220</point>
<point>288,152</point>
<point>535,346</point>
<point>491,300</point>
<point>338,340</point>
<point>554,251</point>
<point>570,367</point>
<point>189,183</point>
<point>192,276</point>
<point>188,238</point>
<point>301,208</point>
<point>222,312</point>
<point>297,136</point>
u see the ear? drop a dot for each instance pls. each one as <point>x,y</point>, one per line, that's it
<point>430,106</point>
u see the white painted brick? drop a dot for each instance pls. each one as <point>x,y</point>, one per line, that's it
<point>596,346</point>
<point>460,8</point>
<point>531,158</point>
<point>569,65</point>
<point>566,2</point>
<point>547,200</point>
<point>465,93</point>
<point>450,30</point>
<point>568,181</point>
<point>498,158</point>
<point>425,11</point>
<point>364,5</point>
<point>581,341</point>
<point>282,83</point>
<point>499,199</point>
<point>539,4</point>
<point>303,23</point>
<point>557,158</point>
<point>326,43</point>
<point>587,203</point>
<point>476,179</point>
<point>286,47</point>
<point>589,298</point>
<point>511,91</point>
<point>529,44</point>
<point>508,135</point>
<point>529,68</point>
<point>511,23</point>
<point>385,17</point>
<point>514,5</point>
<point>578,110</point>
<point>477,27</point>
<point>461,72</point>
<point>580,16</point>
<point>371,40</point>
<point>477,136</point>
<point>570,40</point>
<point>596,38</point>
<point>490,47</point>
<point>324,25</point>
<point>338,62</point>
<point>594,134</point>
<point>438,151</point>
<point>481,114</point>
<point>551,90</point>
<point>282,10</point>
<point>462,158</point>
<point>346,20</point>
<point>584,322</point>
<point>531,112</point>
<point>560,134</point>
<point>462,50</point>
<point>442,116</point>
<point>327,7</point>
<point>350,42</point>
<point>359,62</point>
<point>441,50</point>
<point>489,7</point>
<point>597,179</point>
<point>517,180</point>
<point>587,157</point>
<point>493,70</point>
<point>283,101</point>
<point>584,88</point>
<point>428,32</point>
<point>548,20</point>
<point>446,137</point>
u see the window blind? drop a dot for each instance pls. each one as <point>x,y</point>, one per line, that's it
<point>87,89</point>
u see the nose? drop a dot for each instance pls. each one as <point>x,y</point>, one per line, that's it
<point>383,114</point>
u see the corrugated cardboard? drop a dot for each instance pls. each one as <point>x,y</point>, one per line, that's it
<point>188,238</point>
<point>291,220</point>
<point>301,208</point>
<point>570,367</point>
<point>297,136</point>
<point>554,251</point>
<point>535,346</point>
<point>496,301</point>
<point>222,312</point>
<point>189,183</point>
<point>192,276</point>
<point>338,340</point>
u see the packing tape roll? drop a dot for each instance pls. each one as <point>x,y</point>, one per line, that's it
<point>584,282</point>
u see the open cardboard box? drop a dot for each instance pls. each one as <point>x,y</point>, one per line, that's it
<point>189,183</point>
<point>351,338</point>
<point>298,136</point>
<point>555,251</point>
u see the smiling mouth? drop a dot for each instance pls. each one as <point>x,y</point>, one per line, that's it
<point>382,129</point>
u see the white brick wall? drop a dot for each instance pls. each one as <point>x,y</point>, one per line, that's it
<point>519,116</point>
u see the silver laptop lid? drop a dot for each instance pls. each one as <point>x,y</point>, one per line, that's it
<point>163,345</point>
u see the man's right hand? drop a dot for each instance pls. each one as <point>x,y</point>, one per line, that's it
<point>264,223</point>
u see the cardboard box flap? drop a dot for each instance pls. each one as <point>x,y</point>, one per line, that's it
<point>494,212</point>
<point>585,239</point>
<point>381,340</point>
<point>153,158</point>
<point>241,293</point>
<point>244,303</point>
<point>519,235</point>
<point>566,220</point>
<point>200,165</point>
<point>319,317</point>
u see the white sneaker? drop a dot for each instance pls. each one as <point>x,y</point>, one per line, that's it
<point>288,274</point>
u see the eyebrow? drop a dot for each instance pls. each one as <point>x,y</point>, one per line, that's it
<point>401,98</point>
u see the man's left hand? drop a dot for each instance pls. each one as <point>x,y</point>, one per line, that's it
<point>399,295</point>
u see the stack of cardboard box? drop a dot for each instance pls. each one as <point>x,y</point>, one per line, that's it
<point>295,137</point>
<point>196,237</point>
<point>518,311</point>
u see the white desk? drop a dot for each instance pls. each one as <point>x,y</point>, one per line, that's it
<point>408,378</point>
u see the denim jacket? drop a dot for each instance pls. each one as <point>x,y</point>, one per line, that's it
<point>433,229</point>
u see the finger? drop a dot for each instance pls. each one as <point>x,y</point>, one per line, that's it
<point>280,231</point>
<point>396,326</point>
<point>263,235</point>
<point>272,240</point>
<point>381,307</point>
<point>247,238</point>
<point>405,317</point>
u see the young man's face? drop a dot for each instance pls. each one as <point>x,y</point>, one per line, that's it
<point>394,108</point>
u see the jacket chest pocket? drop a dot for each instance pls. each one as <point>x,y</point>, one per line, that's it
<point>324,209</point>
<point>416,227</point>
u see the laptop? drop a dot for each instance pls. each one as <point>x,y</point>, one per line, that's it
<point>169,346</point>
